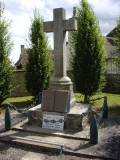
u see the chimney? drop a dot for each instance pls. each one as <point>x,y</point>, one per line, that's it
<point>22,51</point>
<point>22,48</point>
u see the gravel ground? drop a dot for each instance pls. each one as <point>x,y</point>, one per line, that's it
<point>13,152</point>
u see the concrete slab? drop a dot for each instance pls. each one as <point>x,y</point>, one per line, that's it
<point>107,147</point>
<point>32,156</point>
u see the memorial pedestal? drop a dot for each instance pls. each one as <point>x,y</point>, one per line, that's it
<point>74,119</point>
<point>63,84</point>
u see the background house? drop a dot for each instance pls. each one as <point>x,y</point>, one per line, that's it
<point>111,53</point>
<point>20,64</point>
<point>19,80</point>
<point>112,83</point>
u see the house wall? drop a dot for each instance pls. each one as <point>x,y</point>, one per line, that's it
<point>111,66</point>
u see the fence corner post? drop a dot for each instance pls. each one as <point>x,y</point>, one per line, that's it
<point>8,125</point>
<point>93,130</point>
<point>105,108</point>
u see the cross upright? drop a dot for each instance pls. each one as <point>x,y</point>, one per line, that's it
<point>59,26</point>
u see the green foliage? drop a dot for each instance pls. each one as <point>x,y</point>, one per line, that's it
<point>87,52</point>
<point>38,68</point>
<point>117,37</point>
<point>6,71</point>
<point>117,44</point>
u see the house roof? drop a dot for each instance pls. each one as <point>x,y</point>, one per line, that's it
<point>110,47</point>
<point>22,59</point>
<point>111,34</point>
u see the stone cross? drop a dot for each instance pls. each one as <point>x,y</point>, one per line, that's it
<point>59,26</point>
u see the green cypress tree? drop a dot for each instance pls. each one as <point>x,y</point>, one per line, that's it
<point>38,68</point>
<point>6,70</point>
<point>117,44</point>
<point>87,52</point>
<point>117,41</point>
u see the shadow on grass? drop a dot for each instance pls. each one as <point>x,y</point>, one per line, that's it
<point>113,108</point>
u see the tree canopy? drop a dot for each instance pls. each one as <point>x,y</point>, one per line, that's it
<point>117,41</point>
<point>38,68</point>
<point>6,70</point>
<point>117,44</point>
<point>87,49</point>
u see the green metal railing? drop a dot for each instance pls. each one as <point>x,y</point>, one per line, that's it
<point>104,112</point>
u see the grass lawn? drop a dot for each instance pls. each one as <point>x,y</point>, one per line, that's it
<point>19,102</point>
<point>113,101</point>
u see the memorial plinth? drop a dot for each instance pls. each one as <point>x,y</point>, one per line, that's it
<point>63,85</point>
<point>74,119</point>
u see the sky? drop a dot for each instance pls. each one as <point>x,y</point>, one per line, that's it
<point>20,11</point>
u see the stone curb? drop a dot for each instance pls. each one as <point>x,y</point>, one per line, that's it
<point>55,135</point>
<point>54,149</point>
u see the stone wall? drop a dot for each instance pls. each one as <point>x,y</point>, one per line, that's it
<point>19,88</point>
<point>112,85</point>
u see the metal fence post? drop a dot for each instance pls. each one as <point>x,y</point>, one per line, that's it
<point>8,125</point>
<point>105,108</point>
<point>93,130</point>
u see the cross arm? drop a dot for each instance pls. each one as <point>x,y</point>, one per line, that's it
<point>70,25</point>
<point>48,26</point>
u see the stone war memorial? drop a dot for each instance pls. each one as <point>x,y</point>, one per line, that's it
<point>60,123</point>
<point>59,110</point>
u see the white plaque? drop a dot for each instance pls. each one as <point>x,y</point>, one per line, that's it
<point>57,125</point>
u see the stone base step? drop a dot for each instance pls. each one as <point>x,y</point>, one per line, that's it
<point>72,146</point>
<point>24,126</point>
